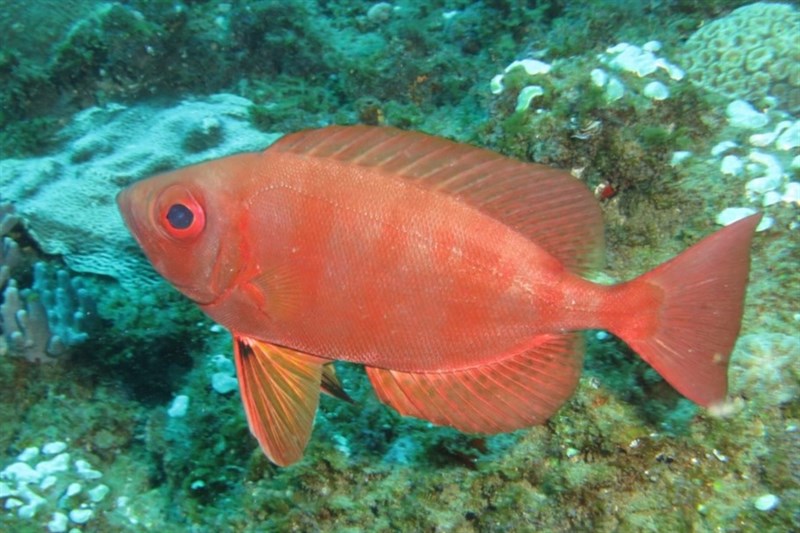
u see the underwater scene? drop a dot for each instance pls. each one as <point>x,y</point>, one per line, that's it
<point>506,265</point>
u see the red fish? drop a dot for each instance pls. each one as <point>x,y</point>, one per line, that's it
<point>452,273</point>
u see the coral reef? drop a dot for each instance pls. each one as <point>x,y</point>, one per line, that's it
<point>9,249</point>
<point>766,369</point>
<point>25,328</point>
<point>48,482</point>
<point>45,321</point>
<point>751,53</point>
<point>598,117</point>
<point>67,198</point>
<point>134,83</point>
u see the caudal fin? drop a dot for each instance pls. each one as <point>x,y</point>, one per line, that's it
<point>685,315</point>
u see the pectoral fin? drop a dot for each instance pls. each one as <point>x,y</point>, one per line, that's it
<point>280,391</point>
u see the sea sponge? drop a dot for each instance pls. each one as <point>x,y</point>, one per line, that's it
<point>759,39</point>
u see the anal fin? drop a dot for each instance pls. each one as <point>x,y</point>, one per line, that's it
<point>280,391</point>
<point>518,391</point>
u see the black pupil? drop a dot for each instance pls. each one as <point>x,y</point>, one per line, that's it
<point>180,216</point>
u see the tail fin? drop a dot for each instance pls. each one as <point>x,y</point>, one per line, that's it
<point>688,335</point>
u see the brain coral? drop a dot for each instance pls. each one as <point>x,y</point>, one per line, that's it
<point>751,53</point>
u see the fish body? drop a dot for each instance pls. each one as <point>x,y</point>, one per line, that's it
<point>428,284</point>
<point>452,273</point>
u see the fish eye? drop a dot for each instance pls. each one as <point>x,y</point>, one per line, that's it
<point>179,216</point>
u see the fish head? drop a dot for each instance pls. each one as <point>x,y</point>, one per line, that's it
<point>185,222</point>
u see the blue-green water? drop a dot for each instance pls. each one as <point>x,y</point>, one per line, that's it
<point>118,398</point>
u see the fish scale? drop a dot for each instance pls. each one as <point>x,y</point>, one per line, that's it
<point>452,273</point>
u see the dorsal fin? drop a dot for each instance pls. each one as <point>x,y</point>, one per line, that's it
<point>548,206</point>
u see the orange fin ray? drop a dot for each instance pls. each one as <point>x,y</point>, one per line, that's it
<point>279,290</point>
<point>549,206</point>
<point>516,392</point>
<point>280,391</point>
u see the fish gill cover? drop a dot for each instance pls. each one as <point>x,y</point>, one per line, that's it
<point>136,423</point>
